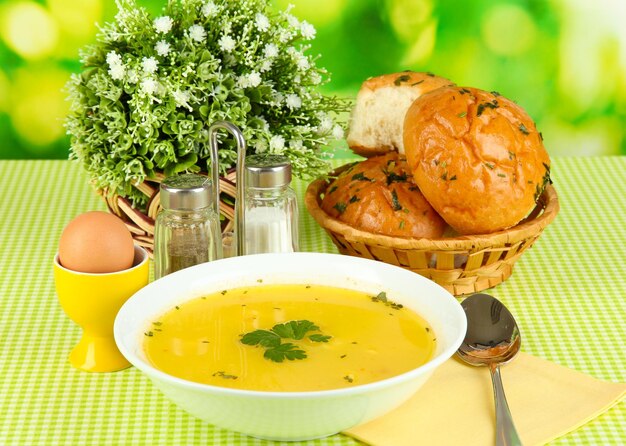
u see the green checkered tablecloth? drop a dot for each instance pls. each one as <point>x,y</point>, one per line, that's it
<point>568,294</point>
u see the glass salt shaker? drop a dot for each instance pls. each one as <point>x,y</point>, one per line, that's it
<point>270,205</point>
<point>187,230</point>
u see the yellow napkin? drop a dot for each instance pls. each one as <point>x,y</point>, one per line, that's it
<point>455,406</point>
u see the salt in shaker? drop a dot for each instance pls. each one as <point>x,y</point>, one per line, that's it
<point>270,205</point>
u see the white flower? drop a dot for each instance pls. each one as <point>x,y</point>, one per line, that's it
<point>325,125</point>
<point>197,33</point>
<point>284,35</point>
<point>297,79</point>
<point>117,72</point>
<point>262,22</point>
<point>209,9</point>
<point>302,62</point>
<point>150,65</point>
<point>226,43</point>
<point>132,76</point>
<point>293,22</point>
<point>337,132</point>
<point>182,98</point>
<point>149,85</point>
<point>264,124</point>
<point>270,50</point>
<point>252,79</point>
<point>307,30</point>
<point>265,66</point>
<point>296,144</point>
<point>277,143</point>
<point>260,146</point>
<point>293,101</point>
<point>113,58</point>
<point>162,48</point>
<point>116,66</point>
<point>278,98</point>
<point>163,24</point>
<point>315,77</point>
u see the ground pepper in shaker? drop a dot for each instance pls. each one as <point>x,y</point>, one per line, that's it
<point>187,230</point>
<point>270,205</point>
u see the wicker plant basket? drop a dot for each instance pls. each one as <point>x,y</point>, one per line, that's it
<point>141,223</point>
<point>462,265</point>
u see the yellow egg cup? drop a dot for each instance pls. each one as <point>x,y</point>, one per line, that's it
<point>92,301</point>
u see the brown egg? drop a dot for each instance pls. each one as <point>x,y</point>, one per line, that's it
<point>96,242</point>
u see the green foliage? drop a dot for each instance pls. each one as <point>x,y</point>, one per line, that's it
<point>150,87</point>
<point>278,351</point>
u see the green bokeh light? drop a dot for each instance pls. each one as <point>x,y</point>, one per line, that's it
<point>564,62</point>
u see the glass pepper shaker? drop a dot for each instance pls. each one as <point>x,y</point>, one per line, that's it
<point>270,205</point>
<point>187,230</point>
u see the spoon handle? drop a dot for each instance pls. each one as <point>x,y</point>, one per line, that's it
<point>506,434</point>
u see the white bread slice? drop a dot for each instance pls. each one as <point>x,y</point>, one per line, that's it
<point>377,120</point>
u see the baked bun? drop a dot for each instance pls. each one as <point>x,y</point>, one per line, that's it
<point>377,118</point>
<point>476,156</point>
<point>378,196</point>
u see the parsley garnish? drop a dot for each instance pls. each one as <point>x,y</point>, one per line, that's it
<point>319,338</point>
<point>284,351</point>
<point>341,207</point>
<point>332,189</point>
<point>417,83</point>
<point>294,329</point>
<point>403,78</point>
<point>462,114</point>
<point>278,351</point>
<point>523,129</point>
<point>360,177</point>
<point>481,107</point>
<point>394,201</point>
<point>354,199</point>
<point>224,375</point>
<point>490,165</point>
<point>348,378</point>
<point>382,297</point>
<point>394,177</point>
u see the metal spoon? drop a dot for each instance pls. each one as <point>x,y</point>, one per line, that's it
<point>492,339</point>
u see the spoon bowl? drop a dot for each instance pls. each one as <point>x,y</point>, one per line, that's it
<point>492,339</point>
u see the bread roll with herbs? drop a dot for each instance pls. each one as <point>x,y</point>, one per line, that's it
<point>476,156</point>
<point>377,118</point>
<point>378,196</point>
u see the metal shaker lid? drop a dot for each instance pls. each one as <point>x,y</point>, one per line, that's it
<point>265,171</point>
<point>186,192</point>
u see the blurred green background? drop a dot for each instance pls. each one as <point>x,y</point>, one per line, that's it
<point>564,61</point>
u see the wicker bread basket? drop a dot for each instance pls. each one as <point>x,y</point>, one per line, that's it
<point>141,222</point>
<point>462,265</point>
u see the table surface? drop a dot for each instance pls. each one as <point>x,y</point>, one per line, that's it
<point>568,294</point>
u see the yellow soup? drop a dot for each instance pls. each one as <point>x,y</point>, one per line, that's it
<point>288,338</point>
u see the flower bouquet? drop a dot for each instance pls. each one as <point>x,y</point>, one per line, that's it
<point>151,86</point>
